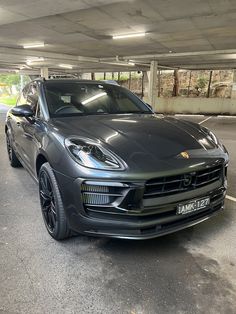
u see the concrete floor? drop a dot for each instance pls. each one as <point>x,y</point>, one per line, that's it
<point>192,271</point>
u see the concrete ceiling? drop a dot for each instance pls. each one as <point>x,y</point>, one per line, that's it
<point>199,33</point>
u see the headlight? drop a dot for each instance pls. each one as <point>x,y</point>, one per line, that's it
<point>92,155</point>
<point>212,137</point>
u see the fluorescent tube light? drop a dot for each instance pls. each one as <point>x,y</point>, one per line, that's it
<point>66,66</point>
<point>129,35</point>
<point>35,59</point>
<point>33,45</point>
<point>121,63</point>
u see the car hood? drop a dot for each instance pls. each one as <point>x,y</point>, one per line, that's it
<point>139,138</point>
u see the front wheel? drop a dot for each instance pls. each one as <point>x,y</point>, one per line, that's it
<point>51,204</point>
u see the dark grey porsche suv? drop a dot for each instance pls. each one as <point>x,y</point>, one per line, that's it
<point>107,165</point>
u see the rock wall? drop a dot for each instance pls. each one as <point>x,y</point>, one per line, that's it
<point>192,83</point>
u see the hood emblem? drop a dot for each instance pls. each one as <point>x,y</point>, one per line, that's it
<point>185,155</point>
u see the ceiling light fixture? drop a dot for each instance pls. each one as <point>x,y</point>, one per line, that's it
<point>127,64</point>
<point>35,59</point>
<point>66,66</point>
<point>33,45</point>
<point>129,35</point>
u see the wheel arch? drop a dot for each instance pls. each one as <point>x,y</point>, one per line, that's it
<point>40,160</point>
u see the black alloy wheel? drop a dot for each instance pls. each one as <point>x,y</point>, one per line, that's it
<point>51,204</point>
<point>14,161</point>
<point>47,202</point>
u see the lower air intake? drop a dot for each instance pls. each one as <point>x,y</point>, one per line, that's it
<point>96,195</point>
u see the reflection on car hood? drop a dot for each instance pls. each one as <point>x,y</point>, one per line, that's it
<point>136,138</point>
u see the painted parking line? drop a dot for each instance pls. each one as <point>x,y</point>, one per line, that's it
<point>231,198</point>
<point>227,117</point>
<point>205,120</point>
<point>188,115</point>
<point>203,115</point>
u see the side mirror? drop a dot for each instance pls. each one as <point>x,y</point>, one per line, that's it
<point>22,111</point>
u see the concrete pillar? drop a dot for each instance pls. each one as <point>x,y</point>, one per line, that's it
<point>145,86</point>
<point>44,72</point>
<point>153,90</point>
<point>233,92</point>
<point>175,91</point>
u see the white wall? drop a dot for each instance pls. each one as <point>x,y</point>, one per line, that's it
<point>195,105</point>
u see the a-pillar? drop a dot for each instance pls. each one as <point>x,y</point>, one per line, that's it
<point>153,90</point>
<point>233,92</point>
<point>44,72</point>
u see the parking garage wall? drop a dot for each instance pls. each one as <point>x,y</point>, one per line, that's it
<point>213,106</point>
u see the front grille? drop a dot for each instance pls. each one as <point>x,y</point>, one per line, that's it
<point>181,183</point>
<point>100,195</point>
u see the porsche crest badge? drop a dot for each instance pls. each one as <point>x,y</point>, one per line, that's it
<point>185,155</point>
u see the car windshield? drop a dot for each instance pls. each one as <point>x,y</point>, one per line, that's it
<point>81,98</point>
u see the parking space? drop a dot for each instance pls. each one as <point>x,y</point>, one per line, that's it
<point>187,272</point>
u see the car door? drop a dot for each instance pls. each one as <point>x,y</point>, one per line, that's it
<point>31,128</point>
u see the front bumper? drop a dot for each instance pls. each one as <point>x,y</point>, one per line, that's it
<point>137,218</point>
<point>143,231</point>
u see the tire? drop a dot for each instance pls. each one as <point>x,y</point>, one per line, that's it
<point>51,204</point>
<point>14,161</point>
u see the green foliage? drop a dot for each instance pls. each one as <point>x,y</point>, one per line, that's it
<point>124,77</point>
<point>26,79</point>
<point>8,100</point>
<point>12,84</point>
<point>13,79</point>
<point>202,82</point>
<point>10,79</point>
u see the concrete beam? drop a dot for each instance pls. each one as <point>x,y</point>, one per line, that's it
<point>170,60</point>
<point>53,59</point>
<point>174,55</point>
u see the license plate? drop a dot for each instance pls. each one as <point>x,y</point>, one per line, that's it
<point>193,206</point>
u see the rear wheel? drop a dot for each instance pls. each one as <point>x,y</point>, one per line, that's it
<point>51,204</point>
<point>14,161</point>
